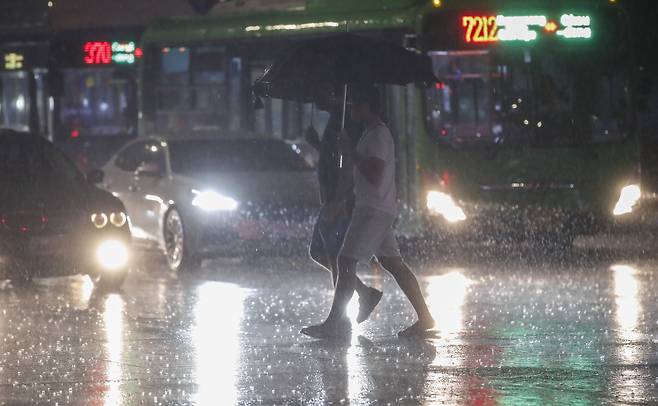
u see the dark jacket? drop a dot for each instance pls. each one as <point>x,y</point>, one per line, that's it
<point>335,182</point>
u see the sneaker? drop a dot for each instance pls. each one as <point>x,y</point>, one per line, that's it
<point>329,330</point>
<point>420,328</point>
<point>367,304</point>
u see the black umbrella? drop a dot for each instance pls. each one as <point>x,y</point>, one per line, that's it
<point>342,59</point>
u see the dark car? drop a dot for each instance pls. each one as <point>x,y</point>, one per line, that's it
<point>53,221</point>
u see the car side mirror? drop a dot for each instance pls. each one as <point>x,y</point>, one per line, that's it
<point>95,176</point>
<point>150,169</point>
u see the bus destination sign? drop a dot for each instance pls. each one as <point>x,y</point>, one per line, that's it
<point>108,53</point>
<point>502,28</point>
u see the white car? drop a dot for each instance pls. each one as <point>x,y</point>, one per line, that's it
<point>191,197</point>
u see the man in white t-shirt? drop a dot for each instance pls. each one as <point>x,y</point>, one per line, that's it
<point>370,232</point>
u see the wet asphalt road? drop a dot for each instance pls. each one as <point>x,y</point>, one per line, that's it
<point>511,332</point>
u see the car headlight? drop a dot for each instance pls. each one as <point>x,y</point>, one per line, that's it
<point>628,198</point>
<point>212,201</point>
<point>439,203</point>
<point>118,219</point>
<point>112,255</point>
<point>101,220</point>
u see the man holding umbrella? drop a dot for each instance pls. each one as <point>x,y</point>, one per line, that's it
<point>346,59</point>
<point>337,198</point>
<point>370,232</point>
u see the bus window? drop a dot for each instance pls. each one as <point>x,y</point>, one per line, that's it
<point>42,95</point>
<point>14,100</point>
<point>210,86</point>
<point>287,119</point>
<point>172,78</point>
<point>205,88</point>
<point>96,102</point>
<point>276,117</point>
<point>198,89</point>
<point>175,66</point>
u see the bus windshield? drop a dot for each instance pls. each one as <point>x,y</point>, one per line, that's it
<point>525,97</point>
<point>96,102</point>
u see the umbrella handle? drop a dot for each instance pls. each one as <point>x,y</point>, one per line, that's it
<point>312,113</point>
<point>340,161</point>
<point>344,106</point>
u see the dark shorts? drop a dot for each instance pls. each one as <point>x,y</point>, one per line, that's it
<point>327,239</point>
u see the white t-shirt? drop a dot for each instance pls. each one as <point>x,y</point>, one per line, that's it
<point>377,142</point>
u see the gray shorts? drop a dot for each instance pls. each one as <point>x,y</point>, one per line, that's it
<point>370,233</point>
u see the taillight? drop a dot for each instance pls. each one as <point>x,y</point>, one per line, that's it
<point>447,179</point>
<point>24,221</point>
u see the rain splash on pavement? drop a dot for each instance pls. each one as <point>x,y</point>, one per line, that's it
<point>508,333</point>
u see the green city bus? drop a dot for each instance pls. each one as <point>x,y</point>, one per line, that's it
<point>531,121</point>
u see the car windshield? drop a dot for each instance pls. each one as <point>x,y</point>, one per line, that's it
<point>526,97</point>
<point>30,160</point>
<point>235,156</point>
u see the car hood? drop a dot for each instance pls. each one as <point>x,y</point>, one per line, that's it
<point>286,188</point>
<point>74,198</point>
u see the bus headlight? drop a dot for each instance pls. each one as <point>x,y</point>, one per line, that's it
<point>439,203</point>
<point>628,198</point>
<point>112,255</point>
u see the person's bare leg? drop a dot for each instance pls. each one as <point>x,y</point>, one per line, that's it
<point>320,256</point>
<point>345,287</point>
<point>337,324</point>
<point>360,287</point>
<point>409,285</point>
<point>369,297</point>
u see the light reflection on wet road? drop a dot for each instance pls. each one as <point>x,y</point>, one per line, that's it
<point>508,334</point>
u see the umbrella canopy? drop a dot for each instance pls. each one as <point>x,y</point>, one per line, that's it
<point>342,59</point>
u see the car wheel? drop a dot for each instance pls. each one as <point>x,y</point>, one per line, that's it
<point>178,253</point>
<point>110,281</point>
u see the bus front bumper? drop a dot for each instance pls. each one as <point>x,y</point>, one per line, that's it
<point>487,222</point>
